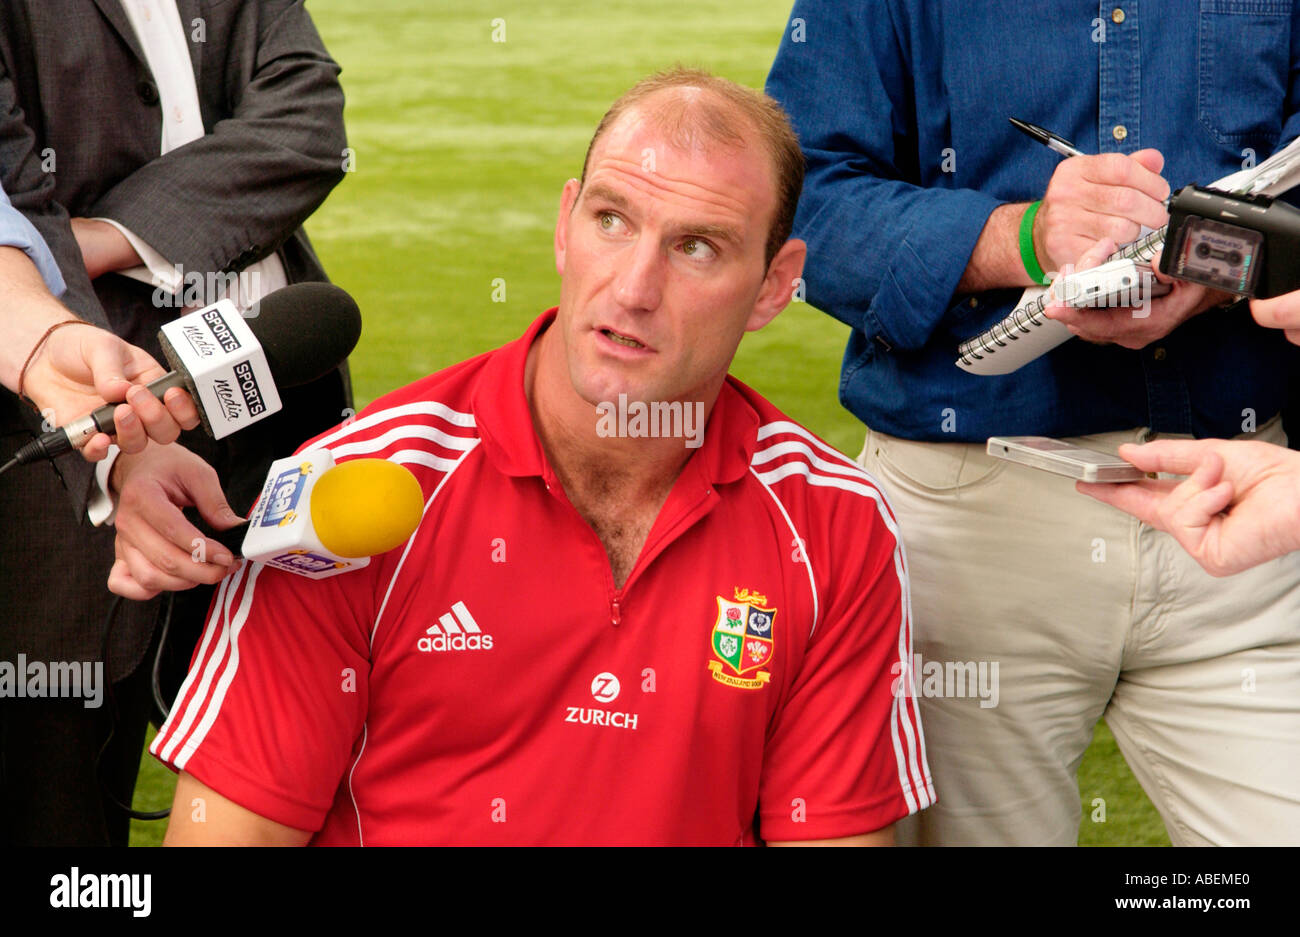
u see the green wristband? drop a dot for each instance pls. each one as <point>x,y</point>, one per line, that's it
<point>1027,255</point>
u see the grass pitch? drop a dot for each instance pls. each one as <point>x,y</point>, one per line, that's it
<point>465,119</point>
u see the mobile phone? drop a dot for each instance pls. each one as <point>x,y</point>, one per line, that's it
<point>1062,458</point>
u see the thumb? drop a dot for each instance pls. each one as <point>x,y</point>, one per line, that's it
<point>1153,160</point>
<point>105,355</point>
<point>212,505</point>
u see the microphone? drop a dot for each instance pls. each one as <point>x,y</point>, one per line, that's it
<point>232,366</point>
<point>318,519</point>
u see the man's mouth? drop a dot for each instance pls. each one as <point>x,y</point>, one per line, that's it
<point>621,339</point>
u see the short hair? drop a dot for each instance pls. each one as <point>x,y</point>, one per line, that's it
<point>726,113</point>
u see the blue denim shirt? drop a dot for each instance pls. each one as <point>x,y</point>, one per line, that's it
<point>901,107</point>
<point>17,231</point>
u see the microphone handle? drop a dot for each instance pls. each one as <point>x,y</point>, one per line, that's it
<point>79,432</point>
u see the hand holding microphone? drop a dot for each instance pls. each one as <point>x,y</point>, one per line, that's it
<point>313,518</point>
<point>232,367</point>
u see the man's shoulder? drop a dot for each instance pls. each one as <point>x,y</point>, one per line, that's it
<point>816,485</point>
<point>428,423</point>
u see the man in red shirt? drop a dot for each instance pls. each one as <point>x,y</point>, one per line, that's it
<point>613,625</point>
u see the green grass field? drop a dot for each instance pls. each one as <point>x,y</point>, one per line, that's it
<point>461,146</point>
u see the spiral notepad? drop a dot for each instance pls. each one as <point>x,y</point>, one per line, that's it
<point>1026,333</point>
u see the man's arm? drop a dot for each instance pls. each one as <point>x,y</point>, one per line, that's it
<point>234,195</point>
<point>202,817</point>
<point>886,255</point>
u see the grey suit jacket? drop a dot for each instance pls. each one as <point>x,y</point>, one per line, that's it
<point>80,125</point>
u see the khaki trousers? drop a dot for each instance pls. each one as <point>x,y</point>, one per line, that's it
<point>1087,613</point>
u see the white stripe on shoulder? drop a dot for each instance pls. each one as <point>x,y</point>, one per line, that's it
<point>218,626</point>
<point>409,431</point>
<point>802,546</point>
<point>786,426</point>
<point>794,446</point>
<point>163,742</point>
<point>423,407</point>
<point>227,674</point>
<point>406,551</point>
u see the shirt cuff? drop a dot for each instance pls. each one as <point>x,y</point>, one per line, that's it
<point>156,270</point>
<point>100,509</point>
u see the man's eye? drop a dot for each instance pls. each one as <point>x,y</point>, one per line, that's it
<point>609,221</point>
<point>698,249</point>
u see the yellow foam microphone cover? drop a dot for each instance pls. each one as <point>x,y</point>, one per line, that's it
<point>365,507</point>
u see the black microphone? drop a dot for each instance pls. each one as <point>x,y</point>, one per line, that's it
<point>306,330</point>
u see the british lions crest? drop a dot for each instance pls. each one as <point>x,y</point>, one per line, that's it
<point>743,640</point>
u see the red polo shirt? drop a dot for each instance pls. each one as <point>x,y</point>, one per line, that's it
<point>487,683</point>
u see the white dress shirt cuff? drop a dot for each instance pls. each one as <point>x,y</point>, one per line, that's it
<point>156,271</point>
<point>100,509</point>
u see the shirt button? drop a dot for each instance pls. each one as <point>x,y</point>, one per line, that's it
<point>974,302</point>
<point>1117,15</point>
<point>178,114</point>
<point>1159,354</point>
<point>1120,132</point>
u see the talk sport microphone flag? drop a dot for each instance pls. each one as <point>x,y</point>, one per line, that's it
<point>318,519</point>
<point>233,366</point>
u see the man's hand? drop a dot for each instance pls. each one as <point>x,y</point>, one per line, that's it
<point>104,249</point>
<point>1087,198</point>
<point>80,367</point>
<point>1095,197</point>
<point>1240,506</point>
<point>157,548</point>
<point>1134,327</point>
<point>1280,312</point>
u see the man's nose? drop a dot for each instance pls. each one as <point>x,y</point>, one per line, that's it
<point>640,276</point>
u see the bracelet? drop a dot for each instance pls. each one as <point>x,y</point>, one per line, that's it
<point>22,375</point>
<point>1028,256</point>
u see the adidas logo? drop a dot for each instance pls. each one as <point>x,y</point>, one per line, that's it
<point>456,631</point>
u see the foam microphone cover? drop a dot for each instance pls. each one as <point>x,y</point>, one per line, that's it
<point>306,330</point>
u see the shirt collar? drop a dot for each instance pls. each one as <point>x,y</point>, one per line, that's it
<point>510,441</point>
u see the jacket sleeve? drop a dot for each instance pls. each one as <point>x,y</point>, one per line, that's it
<point>884,253</point>
<point>236,194</point>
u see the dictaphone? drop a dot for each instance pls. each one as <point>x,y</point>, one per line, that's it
<point>1244,244</point>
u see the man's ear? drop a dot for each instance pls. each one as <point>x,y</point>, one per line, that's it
<point>567,199</point>
<point>779,286</point>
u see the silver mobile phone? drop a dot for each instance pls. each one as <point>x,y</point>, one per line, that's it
<point>1052,455</point>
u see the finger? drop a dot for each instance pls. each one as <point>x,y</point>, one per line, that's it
<point>1141,171</point>
<point>146,573</point>
<point>105,354</point>
<point>182,407</point>
<point>1173,456</point>
<point>1120,211</point>
<point>1184,508</point>
<point>1140,499</point>
<point>1293,336</point>
<point>204,489</point>
<point>131,435</point>
<point>96,448</point>
<point>1280,312</point>
<point>121,582</point>
<point>157,528</point>
<point>158,422</point>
